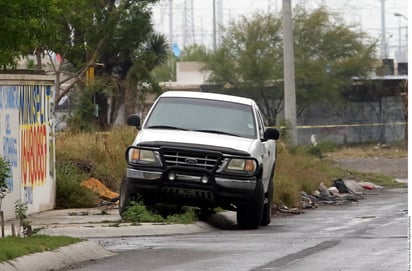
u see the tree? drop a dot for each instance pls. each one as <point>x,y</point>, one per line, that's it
<point>140,79</point>
<point>109,37</point>
<point>23,27</point>
<point>79,36</point>
<point>194,52</point>
<point>247,63</point>
<point>328,53</point>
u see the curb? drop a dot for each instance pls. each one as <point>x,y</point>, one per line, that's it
<point>67,256</point>
<point>124,230</point>
<point>59,258</point>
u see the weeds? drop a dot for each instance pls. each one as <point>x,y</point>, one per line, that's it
<point>69,192</point>
<point>101,155</point>
<point>20,209</point>
<point>296,171</point>
<point>138,213</point>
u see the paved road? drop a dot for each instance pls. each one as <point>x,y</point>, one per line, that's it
<point>396,167</point>
<point>369,235</point>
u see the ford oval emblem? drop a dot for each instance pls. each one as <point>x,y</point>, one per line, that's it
<point>190,161</point>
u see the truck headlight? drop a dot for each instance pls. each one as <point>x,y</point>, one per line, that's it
<point>248,165</point>
<point>142,156</point>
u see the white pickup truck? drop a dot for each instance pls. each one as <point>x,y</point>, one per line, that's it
<point>205,150</point>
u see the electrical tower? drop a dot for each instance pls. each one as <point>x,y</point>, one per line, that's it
<point>188,24</point>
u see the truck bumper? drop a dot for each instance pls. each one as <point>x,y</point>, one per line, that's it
<point>244,184</point>
<point>191,189</point>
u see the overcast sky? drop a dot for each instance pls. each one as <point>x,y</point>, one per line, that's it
<point>367,13</point>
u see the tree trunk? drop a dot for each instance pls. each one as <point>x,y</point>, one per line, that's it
<point>38,58</point>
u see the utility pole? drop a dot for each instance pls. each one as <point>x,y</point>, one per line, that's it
<point>214,25</point>
<point>170,23</point>
<point>219,22</point>
<point>384,42</point>
<point>289,70</point>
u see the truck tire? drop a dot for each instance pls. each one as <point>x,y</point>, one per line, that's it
<point>267,208</point>
<point>249,215</point>
<point>126,196</point>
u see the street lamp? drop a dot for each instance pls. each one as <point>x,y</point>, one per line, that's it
<point>400,55</point>
<point>400,15</point>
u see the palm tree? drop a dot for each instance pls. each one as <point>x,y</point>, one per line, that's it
<point>139,78</point>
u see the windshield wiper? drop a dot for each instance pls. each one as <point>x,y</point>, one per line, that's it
<point>165,127</point>
<point>216,132</point>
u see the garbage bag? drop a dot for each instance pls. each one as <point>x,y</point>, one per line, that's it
<point>341,186</point>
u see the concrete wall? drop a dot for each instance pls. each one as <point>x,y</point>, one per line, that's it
<point>191,73</point>
<point>357,122</point>
<point>27,141</point>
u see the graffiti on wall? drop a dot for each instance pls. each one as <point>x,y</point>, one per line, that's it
<point>9,106</point>
<point>34,119</point>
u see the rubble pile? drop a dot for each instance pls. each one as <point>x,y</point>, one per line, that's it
<point>343,192</point>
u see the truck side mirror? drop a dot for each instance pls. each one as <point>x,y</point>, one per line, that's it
<point>271,133</point>
<point>133,120</point>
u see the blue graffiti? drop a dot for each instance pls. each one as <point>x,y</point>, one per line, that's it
<point>10,155</point>
<point>10,150</point>
<point>7,121</point>
<point>34,104</point>
<point>9,98</point>
<point>28,195</point>
<point>9,183</point>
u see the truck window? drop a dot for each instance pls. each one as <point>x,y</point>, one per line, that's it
<point>203,114</point>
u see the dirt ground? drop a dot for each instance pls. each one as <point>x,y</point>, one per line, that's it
<point>396,167</point>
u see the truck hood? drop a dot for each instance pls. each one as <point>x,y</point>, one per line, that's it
<point>191,137</point>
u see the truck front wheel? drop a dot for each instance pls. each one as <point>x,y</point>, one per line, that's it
<point>249,215</point>
<point>127,195</point>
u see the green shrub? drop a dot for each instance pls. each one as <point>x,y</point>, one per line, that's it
<point>138,213</point>
<point>4,171</point>
<point>69,192</point>
<point>187,217</point>
<point>320,149</point>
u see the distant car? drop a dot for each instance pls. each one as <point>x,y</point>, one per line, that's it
<point>205,150</point>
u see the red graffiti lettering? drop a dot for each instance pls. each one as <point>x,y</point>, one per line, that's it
<point>34,155</point>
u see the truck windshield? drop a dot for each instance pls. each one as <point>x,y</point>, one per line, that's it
<point>204,115</point>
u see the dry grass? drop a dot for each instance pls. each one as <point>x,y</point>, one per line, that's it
<point>394,150</point>
<point>298,171</point>
<point>100,155</point>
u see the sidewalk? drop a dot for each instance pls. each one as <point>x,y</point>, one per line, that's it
<point>86,223</point>
<point>100,223</point>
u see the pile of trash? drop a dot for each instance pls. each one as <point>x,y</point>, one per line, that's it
<point>342,192</point>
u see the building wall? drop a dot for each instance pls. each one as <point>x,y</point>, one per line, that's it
<point>190,73</point>
<point>357,122</point>
<point>27,141</point>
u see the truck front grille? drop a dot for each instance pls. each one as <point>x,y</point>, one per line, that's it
<point>191,159</point>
